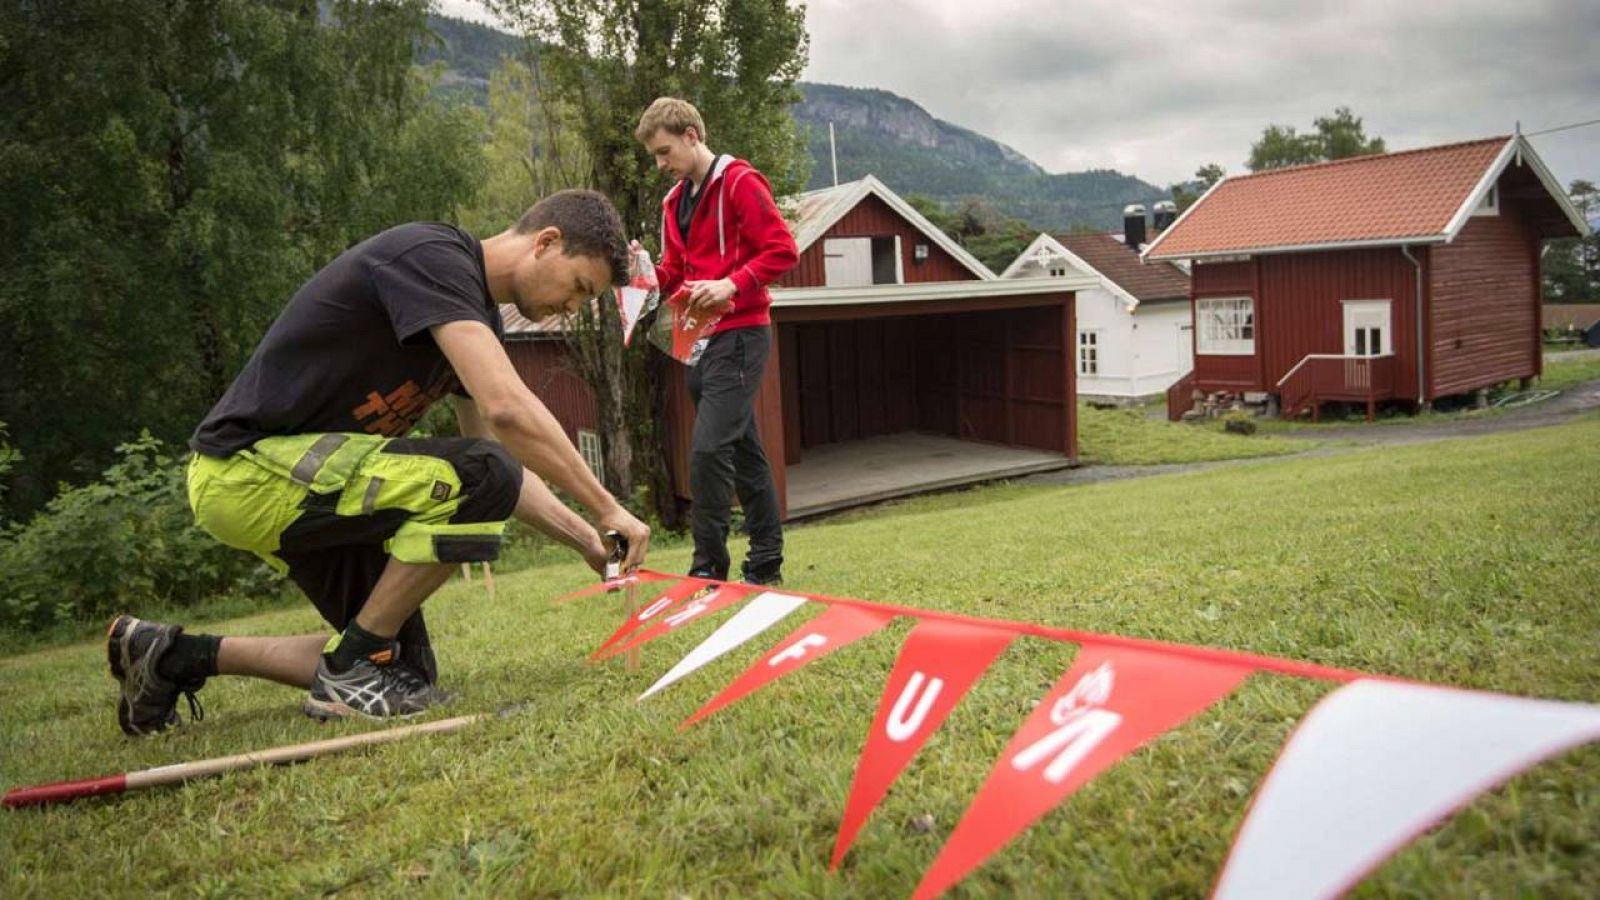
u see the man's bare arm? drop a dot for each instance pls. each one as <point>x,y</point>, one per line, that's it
<point>537,505</point>
<point>526,427</point>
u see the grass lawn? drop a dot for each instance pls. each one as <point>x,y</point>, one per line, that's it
<point>1467,562</point>
<point>1131,437</point>
<point>1561,374</point>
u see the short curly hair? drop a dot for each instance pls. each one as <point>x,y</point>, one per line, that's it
<point>590,226</point>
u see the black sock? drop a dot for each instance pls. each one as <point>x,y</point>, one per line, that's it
<point>354,645</point>
<point>191,658</point>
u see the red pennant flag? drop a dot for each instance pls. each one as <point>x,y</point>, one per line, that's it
<point>939,662</point>
<point>701,603</point>
<point>1108,704</point>
<point>615,584</point>
<point>840,626</point>
<point>689,587</point>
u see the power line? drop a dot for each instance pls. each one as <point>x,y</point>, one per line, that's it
<point>1562,128</point>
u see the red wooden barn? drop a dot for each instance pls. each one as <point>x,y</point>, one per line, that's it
<point>1407,276</point>
<point>901,363</point>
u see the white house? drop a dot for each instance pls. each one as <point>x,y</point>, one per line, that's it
<point>1135,331</point>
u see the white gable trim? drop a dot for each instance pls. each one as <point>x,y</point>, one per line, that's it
<point>1046,241</point>
<point>1520,150</point>
<point>1476,195</point>
<point>1028,253</point>
<point>1150,248</point>
<point>857,192</point>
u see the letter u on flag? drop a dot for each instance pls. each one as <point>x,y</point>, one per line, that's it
<point>713,598</point>
<point>840,626</point>
<point>665,601</point>
<point>1108,704</point>
<point>938,663</point>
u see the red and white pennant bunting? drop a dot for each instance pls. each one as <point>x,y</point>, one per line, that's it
<point>1371,767</point>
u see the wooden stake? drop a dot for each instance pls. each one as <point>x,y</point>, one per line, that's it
<point>62,791</point>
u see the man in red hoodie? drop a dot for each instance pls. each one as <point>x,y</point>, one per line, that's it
<point>723,239</point>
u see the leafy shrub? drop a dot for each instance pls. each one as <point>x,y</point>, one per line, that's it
<point>127,541</point>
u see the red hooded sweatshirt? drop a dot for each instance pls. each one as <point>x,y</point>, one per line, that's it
<point>737,233</point>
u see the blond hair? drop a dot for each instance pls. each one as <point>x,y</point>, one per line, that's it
<point>672,115</point>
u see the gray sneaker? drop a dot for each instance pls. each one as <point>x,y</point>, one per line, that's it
<point>377,687</point>
<point>149,702</point>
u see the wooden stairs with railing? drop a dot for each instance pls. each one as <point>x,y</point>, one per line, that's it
<point>1325,377</point>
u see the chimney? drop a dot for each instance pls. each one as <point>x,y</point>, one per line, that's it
<point>1133,225</point>
<point>1166,212</point>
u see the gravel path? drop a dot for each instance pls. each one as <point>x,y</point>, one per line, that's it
<point>1562,408</point>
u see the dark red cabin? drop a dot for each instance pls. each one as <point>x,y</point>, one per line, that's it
<point>1407,276</point>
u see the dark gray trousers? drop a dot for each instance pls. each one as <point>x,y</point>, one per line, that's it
<point>728,458</point>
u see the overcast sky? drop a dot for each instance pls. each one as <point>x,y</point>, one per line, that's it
<point>1156,88</point>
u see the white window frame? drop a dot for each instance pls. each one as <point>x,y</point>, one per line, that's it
<point>1089,346</point>
<point>589,449</point>
<point>1490,204</point>
<point>1058,271</point>
<point>1366,314</point>
<point>1225,326</point>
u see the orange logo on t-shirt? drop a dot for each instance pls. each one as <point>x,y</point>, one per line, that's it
<point>393,414</point>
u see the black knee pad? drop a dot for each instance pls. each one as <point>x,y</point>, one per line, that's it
<point>491,480</point>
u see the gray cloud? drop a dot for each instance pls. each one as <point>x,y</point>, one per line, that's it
<point>1157,88</point>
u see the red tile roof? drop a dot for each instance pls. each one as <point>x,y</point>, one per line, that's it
<point>1378,198</point>
<point>1117,261</point>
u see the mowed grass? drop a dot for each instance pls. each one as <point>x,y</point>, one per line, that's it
<point>1467,562</point>
<point>1131,437</point>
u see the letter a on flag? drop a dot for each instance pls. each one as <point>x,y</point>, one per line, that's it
<point>700,604</point>
<point>840,626</point>
<point>1108,704</point>
<point>668,599</point>
<point>938,663</point>
<point>1375,764</point>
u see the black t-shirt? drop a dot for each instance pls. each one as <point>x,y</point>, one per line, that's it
<point>352,351</point>
<point>688,199</point>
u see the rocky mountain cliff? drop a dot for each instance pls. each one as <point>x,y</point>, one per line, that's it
<point>879,133</point>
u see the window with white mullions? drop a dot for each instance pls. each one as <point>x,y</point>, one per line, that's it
<point>1366,328</point>
<point>1088,352</point>
<point>1227,326</point>
<point>589,449</point>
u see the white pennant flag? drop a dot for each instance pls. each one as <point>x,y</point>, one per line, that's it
<point>761,613</point>
<point>1375,764</point>
<point>630,302</point>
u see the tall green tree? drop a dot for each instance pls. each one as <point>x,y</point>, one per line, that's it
<point>1184,194</point>
<point>527,153</point>
<point>1337,136</point>
<point>1571,266</point>
<point>599,64</point>
<point>170,172</point>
